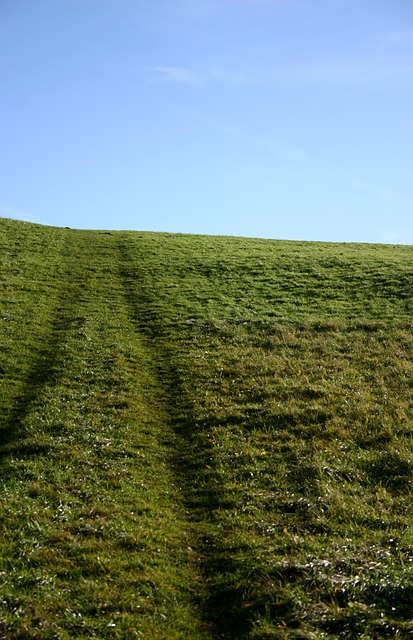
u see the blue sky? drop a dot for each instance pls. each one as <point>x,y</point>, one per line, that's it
<point>286,119</point>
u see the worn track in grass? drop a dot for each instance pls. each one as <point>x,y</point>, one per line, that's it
<point>61,315</point>
<point>192,459</point>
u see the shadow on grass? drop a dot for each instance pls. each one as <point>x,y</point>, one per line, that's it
<point>227,606</point>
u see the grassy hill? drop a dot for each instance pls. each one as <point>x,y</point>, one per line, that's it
<point>204,437</point>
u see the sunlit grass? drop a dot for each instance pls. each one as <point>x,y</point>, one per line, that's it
<point>204,437</point>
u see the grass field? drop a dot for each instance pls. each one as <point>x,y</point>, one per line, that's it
<point>204,437</point>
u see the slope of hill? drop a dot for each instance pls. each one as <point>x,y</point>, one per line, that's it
<point>204,437</point>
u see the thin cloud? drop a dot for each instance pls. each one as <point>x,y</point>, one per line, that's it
<point>362,71</point>
<point>185,75</point>
<point>381,72</point>
<point>180,75</point>
<point>378,72</point>
<point>382,191</point>
<point>284,150</point>
<point>397,38</point>
<point>230,78</point>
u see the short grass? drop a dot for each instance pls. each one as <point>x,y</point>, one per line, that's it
<point>204,437</point>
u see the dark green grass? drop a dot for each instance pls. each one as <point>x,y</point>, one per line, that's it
<point>204,437</point>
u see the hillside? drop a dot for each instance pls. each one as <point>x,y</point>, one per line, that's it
<point>204,437</point>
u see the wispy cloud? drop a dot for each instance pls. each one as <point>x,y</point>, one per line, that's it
<point>380,72</point>
<point>369,72</point>
<point>397,38</point>
<point>206,76</point>
<point>282,149</point>
<point>230,77</point>
<point>180,75</point>
<point>380,190</point>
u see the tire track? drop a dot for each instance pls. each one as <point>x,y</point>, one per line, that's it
<point>193,462</point>
<point>43,370</point>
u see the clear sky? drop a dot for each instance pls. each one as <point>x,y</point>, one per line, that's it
<point>288,119</point>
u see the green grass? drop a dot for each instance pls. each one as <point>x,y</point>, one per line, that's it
<point>204,437</point>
